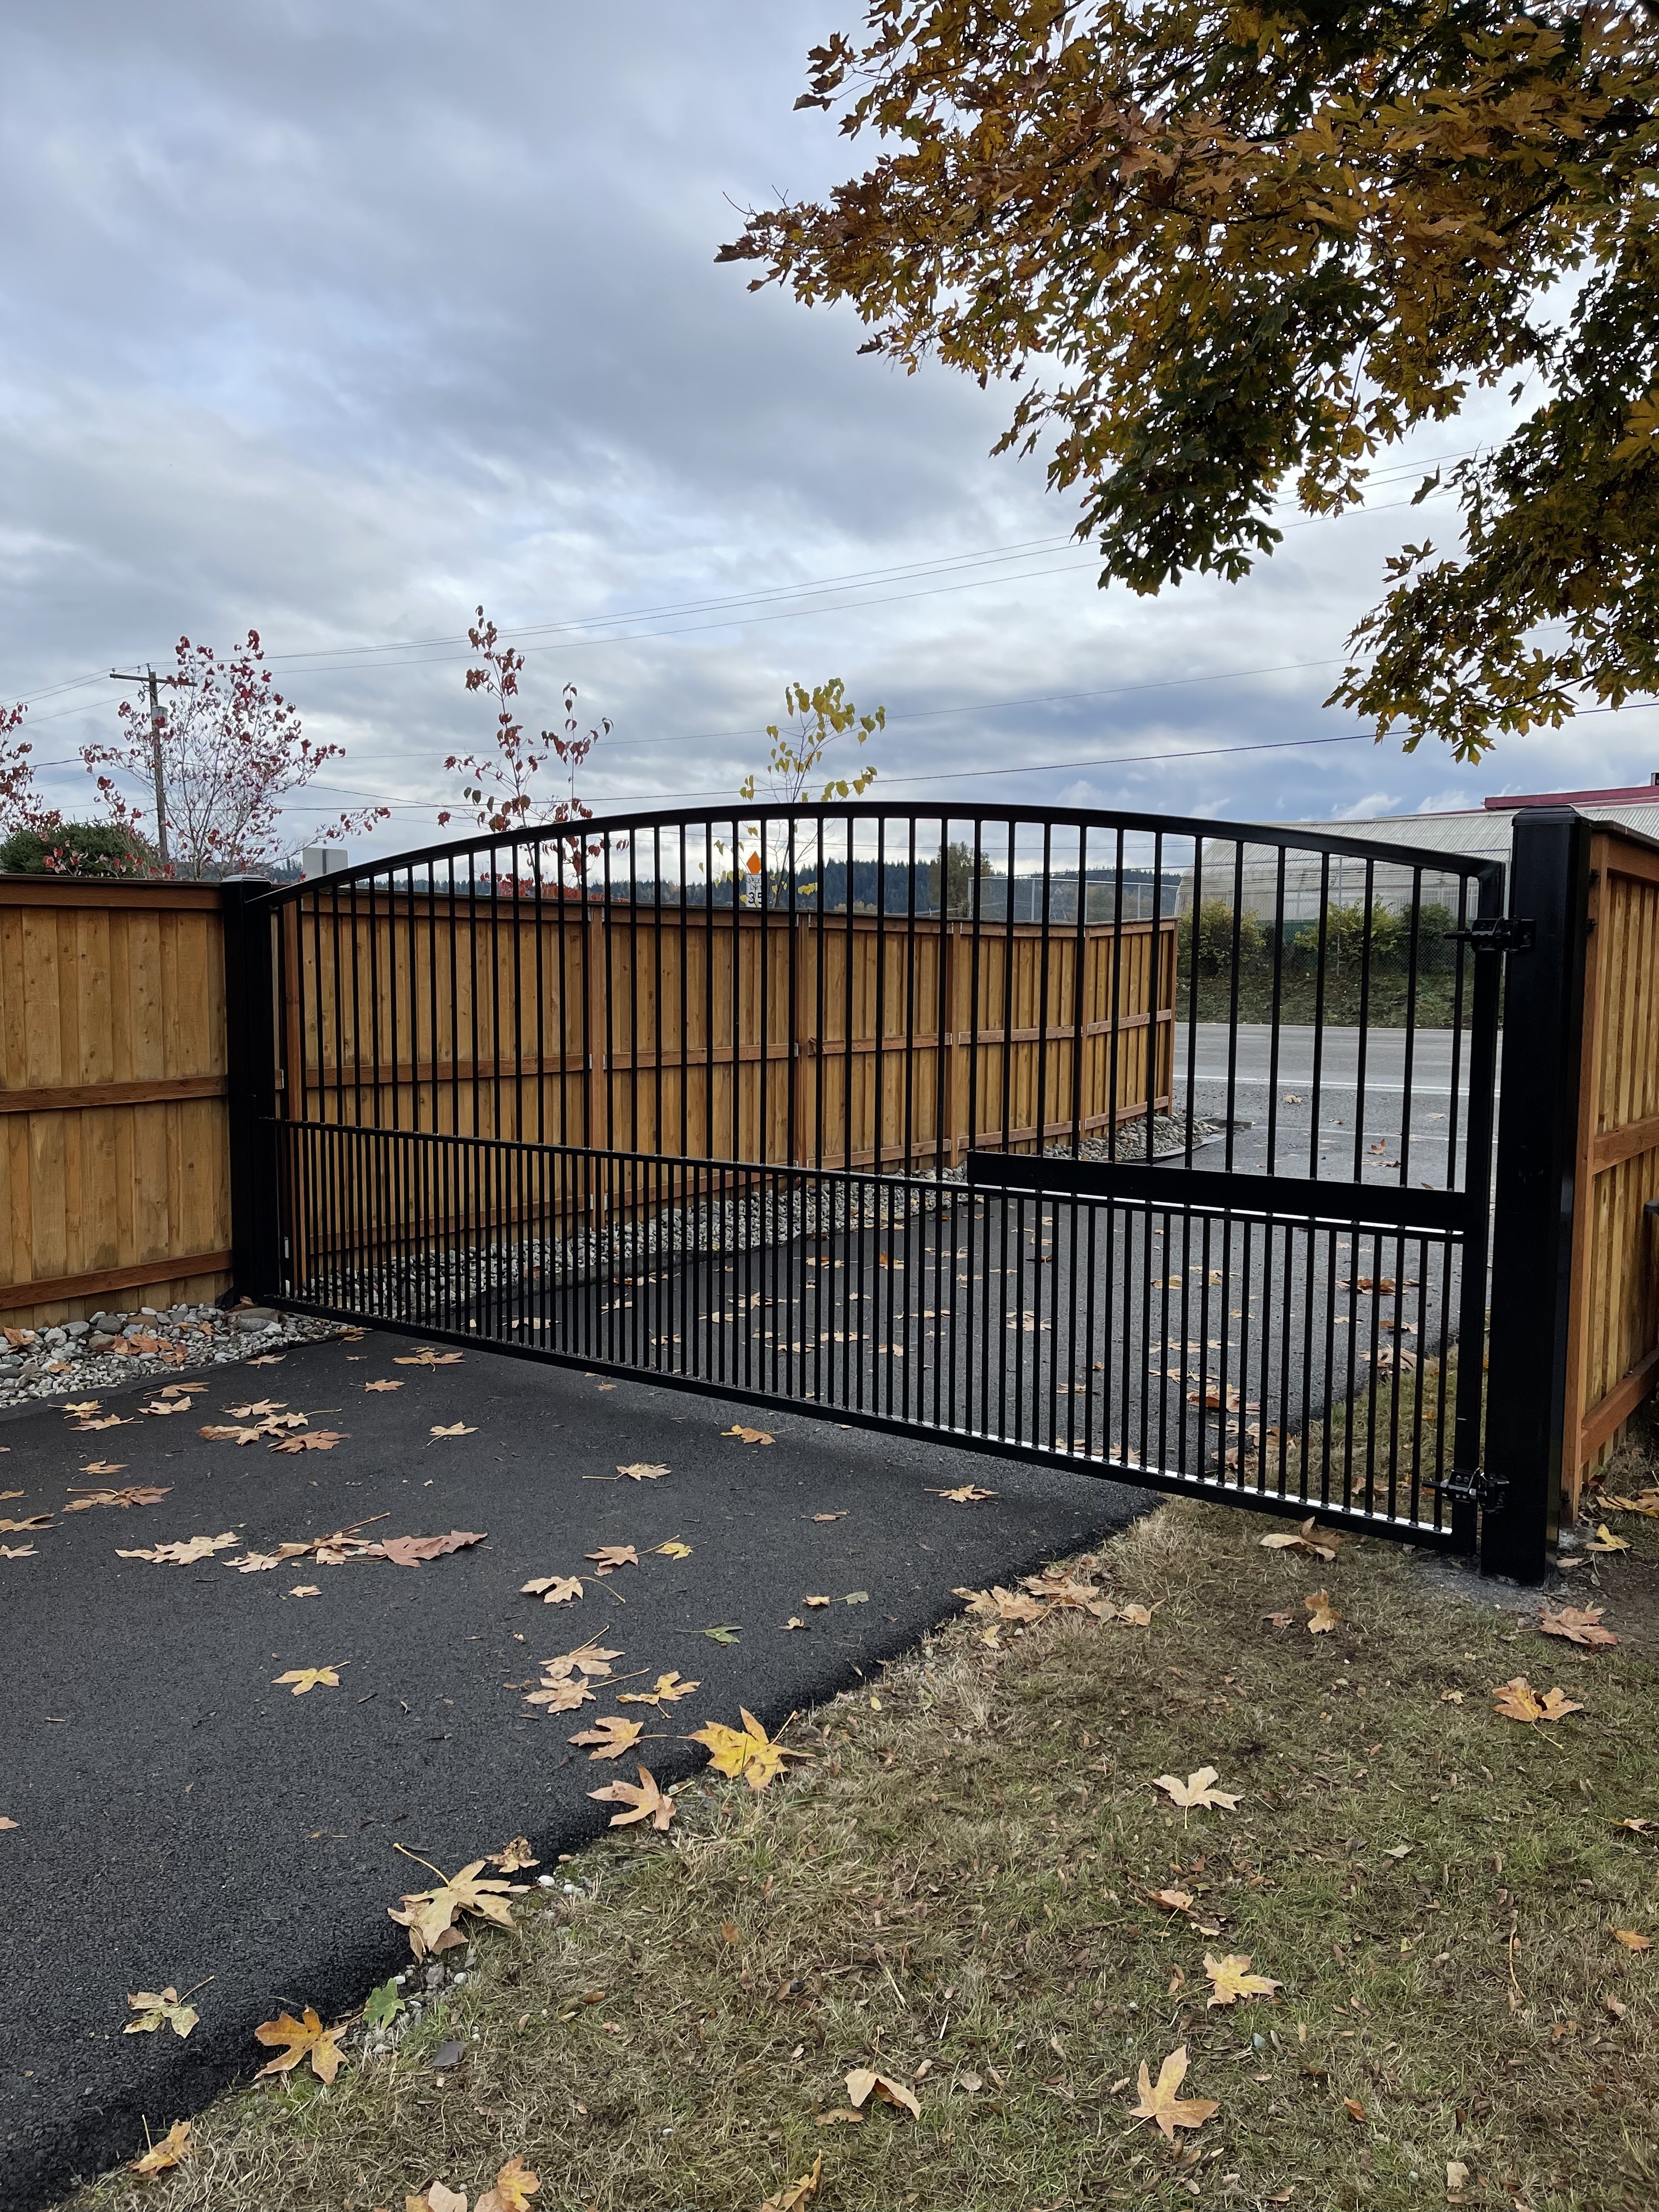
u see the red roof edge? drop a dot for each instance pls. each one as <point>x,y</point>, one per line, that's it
<point>1627,794</point>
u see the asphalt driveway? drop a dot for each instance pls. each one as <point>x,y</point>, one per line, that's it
<point>181,1819</point>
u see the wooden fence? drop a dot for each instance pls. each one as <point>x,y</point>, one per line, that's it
<point>114,1162</point>
<point>1613,1357</point>
<point>822,1040</point>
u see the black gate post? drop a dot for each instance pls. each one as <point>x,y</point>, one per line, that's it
<point>1533,1193</point>
<point>251,1066</point>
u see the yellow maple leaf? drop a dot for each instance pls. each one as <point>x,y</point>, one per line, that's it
<point>645,1800</point>
<point>1517,1701</point>
<point>172,2149</point>
<point>673,1549</point>
<point>309,1678</point>
<point>160,2009</point>
<point>1231,1979</point>
<point>669,1688</point>
<point>643,1470</point>
<point>748,1751</point>
<point>1605,1540</point>
<point>610,1735</point>
<point>1162,2105</point>
<point>301,2039</point>
<point>430,1914</point>
<point>1632,1940</point>
<point>455,1429</point>
<point>515,2185</point>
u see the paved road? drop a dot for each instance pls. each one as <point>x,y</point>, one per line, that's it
<point>1385,1057</point>
<point>181,1817</point>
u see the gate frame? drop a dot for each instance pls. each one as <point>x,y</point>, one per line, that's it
<point>1505,1500</point>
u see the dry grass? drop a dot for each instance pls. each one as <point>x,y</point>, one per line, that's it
<point>955,1892</point>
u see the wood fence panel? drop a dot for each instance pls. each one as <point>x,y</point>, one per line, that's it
<point>1613,1325</point>
<point>113,1144</point>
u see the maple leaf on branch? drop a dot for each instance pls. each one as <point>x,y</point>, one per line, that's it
<point>644,1799</point>
<point>1163,2105</point>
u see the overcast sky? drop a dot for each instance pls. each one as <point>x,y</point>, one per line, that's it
<point>333,321</point>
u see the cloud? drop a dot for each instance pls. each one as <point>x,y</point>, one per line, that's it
<point>333,323</point>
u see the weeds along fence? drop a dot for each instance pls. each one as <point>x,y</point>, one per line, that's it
<point>114,1159</point>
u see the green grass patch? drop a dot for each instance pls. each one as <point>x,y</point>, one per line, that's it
<point>957,1892</point>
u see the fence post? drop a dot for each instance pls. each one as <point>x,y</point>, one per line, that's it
<point>1533,1191</point>
<point>251,1068</point>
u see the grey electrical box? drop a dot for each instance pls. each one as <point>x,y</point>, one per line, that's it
<point>323,859</point>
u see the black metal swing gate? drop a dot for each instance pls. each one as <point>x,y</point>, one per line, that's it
<point>1140,1147</point>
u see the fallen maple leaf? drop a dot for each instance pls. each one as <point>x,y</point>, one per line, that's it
<point>383,1385</point>
<point>269,1360</point>
<point>1605,1540</point>
<point>311,1440</point>
<point>172,2149</point>
<point>430,1914</point>
<point>669,1688</point>
<point>109,1421</point>
<point>610,1735</point>
<point>513,1856</point>
<point>1138,1616</point>
<point>220,1432</point>
<point>305,1590</point>
<point>1632,1940</point>
<point>428,1358</point>
<point>1231,1979</point>
<point>645,1470</point>
<point>969,1494</point>
<point>183,1555</point>
<point>749,1436</point>
<point>1517,1701</point>
<point>720,1631</point>
<point>1162,2105</point>
<point>84,1407</point>
<point>1324,1614</point>
<point>308,1678</point>
<point>258,1410</point>
<point>864,2082</point>
<point>158,2008</point>
<point>673,1549</point>
<point>822,1517</point>
<point>646,1800</point>
<point>414,1550</point>
<point>1322,1543</point>
<point>1353,2108</point>
<point>436,2198</point>
<point>1172,1900</point>
<point>748,1751</point>
<point>552,1589</point>
<point>1000,1604</point>
<point>794,2194</point>
<point>7,1823</point>
<point>819,1601</point>
<point>18,1552</point>
<point>302,2038</point>
<point>590,1659</point>
<point>1578,1627</point>
<point>564,1697</point>
<point>1196,1790</point>
<point>133,1494</point>
<point>515,2185</point>
<point>455,1429</point>
<point>610,1557</point>
<point>166,1405</point>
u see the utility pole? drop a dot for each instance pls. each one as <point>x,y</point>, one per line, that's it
<point>152,682</point>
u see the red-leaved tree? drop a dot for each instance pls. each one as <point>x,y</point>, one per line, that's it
<point>501,790</point>
<point>20,803</point>
<point>232,747</point>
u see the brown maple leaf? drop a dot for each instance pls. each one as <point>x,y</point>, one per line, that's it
<point>565,1697</point>
<point>968,1494</point>
<point>414,1550</point>
<point>133,1494</point>
<point>455,1429</point>
<point>259,1409</point>
<point>864,2083</point>
<point>172,2149</point>
<point>221,1432</point>
<point>1172,1900</point>
<point>1161,2104</point>
<point>794,2194</point>
<point>1000,1604</point>
<point>311,1440</point>
<point>1517,1701</point>
<point>1324,1616</point>
<point>1198,1789</point>
<point>553,1589</point>
<point>19,1527</point>
<point>590,1659</point>
<point>644,1799</point>
<point>610,1735</point>
<point>749,1436</point>
<point>513,1856</point>
<point>158,2008</point>
<point>430,1914</point>
<point>108,1421</point>
<point>1578,1627</point>
<point>1632,1939</point>
<point>383,1385</point>
<point>186,1554</point>
<point>643,1470</point>
<point>1322,1543</point>
<point>428,1358</point>
<point>18,1552</point>
<point>610,1557</point>
<point>300,2040</point>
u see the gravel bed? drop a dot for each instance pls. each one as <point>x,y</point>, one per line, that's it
<point>132,1346</point>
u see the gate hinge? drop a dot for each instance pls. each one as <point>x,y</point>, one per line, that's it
<point>1472,1486</point>
<point>1495,932</point>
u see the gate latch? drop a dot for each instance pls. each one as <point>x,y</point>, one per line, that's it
<point>1495,932</point>
<point>1472,1486</point>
